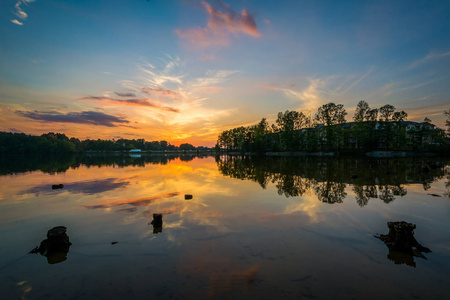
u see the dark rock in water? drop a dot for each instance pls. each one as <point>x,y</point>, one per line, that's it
<point>188,197</point>
<point>56,246</point>
<point>435,195</point>
<point>402,244</point>
<point>157,223</point>
<point>57,186</point>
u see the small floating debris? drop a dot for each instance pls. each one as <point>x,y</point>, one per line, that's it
<point>113,243</point>
<point>188,197</point>
<point>434,195</point>
<point>57,186</point>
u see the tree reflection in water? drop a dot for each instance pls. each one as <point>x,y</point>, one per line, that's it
<point>328,178</point>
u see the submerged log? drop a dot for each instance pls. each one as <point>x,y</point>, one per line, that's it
<point>402,244</point>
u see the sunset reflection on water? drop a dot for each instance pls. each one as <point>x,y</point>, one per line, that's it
<point>257,233</point>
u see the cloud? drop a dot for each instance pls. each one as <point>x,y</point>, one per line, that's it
<point>431,57</point>
<point>84,117</point>
<point>17,22</point>
<point>160,91</point>
<point>19,11</point>
<point>221,24</point>
<point>131,102</point>
<point>14,130</point>
<point>311,96</point>
<point>125,94</point>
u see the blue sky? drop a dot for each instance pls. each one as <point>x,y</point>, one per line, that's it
<point>186,70</point>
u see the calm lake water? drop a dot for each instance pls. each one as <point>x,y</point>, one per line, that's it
<point>255,228</point>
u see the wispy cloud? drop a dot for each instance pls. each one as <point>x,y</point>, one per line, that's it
<point>310,96</point>
<point>126,95</point>
<point>431,57</point>
<point>160,91</point>
<point>83,117</point>
<point>20,13</point>
<point>130,102</point>
<point>17,22</point>
<point>223,22</point>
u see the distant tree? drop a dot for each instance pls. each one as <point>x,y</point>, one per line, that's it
<point>361,110</point>
<point>331,114</point>
<point>187,146</point>
<point>291,120</point>
<point>371,114</point>
<point>447,122</point>
<point>386,112</point>
<point>399,116</point>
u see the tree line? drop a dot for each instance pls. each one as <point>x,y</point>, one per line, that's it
<point>328,130</point>
<point>59,144</point>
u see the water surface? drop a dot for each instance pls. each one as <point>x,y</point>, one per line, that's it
<point>255,228</point>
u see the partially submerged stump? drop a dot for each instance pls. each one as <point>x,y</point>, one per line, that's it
<point>157,223</point>
<point>402,244</point>
<point>56,246</point>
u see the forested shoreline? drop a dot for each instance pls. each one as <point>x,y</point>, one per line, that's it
<point>58,144</point>
<point>327,129</point>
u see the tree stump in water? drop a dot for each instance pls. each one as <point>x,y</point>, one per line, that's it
<point>157,223</point>
<point>402,244</point>
<point>56,246</point>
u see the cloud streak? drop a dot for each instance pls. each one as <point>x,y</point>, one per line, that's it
<point>431,57</point>
<point>131,102</point>
<point>160,91</point>
<point>20,13</point>
<point>222,23</point>
<point>125,94</point>
<point>83,117</point>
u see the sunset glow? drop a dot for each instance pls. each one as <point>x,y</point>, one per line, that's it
<point>184,71</point>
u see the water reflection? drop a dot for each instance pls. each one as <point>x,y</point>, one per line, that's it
<point>328,178</point>
<point>90,187</point>
<point>224,238</point>
<point>19,164</point>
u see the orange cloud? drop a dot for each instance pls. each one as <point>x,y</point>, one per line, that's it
<point>220,25</point>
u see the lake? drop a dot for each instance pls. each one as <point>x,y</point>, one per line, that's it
<point>232,228</point>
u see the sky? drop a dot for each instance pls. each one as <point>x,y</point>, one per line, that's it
<point>184,71</point>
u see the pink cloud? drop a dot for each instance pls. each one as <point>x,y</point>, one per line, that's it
<point>220,25</point>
